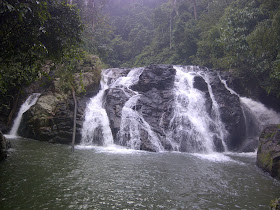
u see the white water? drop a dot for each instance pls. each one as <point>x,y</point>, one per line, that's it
<point>132,122</point>
<point>30,101</point>
<point>96,118</point>
<point>194,127</point>
<point>191,123</point>
<point>262,115</point>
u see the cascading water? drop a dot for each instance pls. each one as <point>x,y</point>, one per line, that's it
<point>175,108</point>
<point>195,129</point>
<point>96,124</point>
<point>133,126</point>
<point>255,113</point>
<point>30,101</point>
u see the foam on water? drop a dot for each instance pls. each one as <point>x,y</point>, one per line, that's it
<point>114,149</point>
<point>243,154</point>
<point>216,157</point>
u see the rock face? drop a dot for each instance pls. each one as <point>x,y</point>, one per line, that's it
<point>155,108</point>
<point>268,156</point>
<point>155,87</point>
<point>156,105</point>
<point>230,112</point>
<point>51,118</point>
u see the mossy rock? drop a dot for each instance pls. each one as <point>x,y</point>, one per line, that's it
<point>268,155</point>
<point>275,204</point>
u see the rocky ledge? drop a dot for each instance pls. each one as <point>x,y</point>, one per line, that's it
<point>268,156</point>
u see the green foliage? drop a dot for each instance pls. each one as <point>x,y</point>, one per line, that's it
<point>275,204</point>
<point>32,32</point>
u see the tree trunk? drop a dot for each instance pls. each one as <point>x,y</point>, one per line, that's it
<point>75,119</point>
<point>170,32</point>
<point>194,9</point>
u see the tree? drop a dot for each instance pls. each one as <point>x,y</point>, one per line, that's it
<point>30,33</point>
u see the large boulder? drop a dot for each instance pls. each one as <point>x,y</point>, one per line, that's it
<point>51,118</point>
<point>156,106</point>
<point>268,155</point>
<point>155,87</point>
<point>4,146</point>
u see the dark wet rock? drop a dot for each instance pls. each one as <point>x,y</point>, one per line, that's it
<point>155,87</point>
<point>115,99</point>
<point>4,146</point>
<point>268,155</point>
<point>160,77</point>
<point>230,112</point>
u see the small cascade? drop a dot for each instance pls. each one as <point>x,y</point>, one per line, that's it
<point>264,115</point>
<point>255,113</point>
<point>96,127</point>
<point>133,126</point>
<point>196,129</point>
<point>30,101</point>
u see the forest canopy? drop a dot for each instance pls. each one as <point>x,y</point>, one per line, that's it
<point>241,36</point>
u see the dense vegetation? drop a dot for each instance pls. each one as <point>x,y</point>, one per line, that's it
<point>32,32</point>
<point>242,36</point>
<point>238,35</point>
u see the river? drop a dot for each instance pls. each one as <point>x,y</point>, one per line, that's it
<point>39,175</point>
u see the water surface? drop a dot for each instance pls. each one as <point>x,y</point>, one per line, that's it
<point>39,175</point>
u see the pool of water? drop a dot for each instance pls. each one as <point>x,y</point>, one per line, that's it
<point>39,175</point>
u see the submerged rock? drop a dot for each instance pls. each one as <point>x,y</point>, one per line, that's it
<point>268,156</point>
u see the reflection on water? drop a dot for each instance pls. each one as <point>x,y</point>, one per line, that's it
<point>39,175</point>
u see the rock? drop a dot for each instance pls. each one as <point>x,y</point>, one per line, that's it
<point>155,87</point>
<point>4,146</point>
<point>268,155</point>
<point>275,204</point>
<point>230,112</point>
<point>51,119</point>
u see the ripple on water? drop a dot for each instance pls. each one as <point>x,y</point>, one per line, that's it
<point>45,176</point>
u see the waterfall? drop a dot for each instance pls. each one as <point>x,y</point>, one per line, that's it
<point>96,122</point>
<point>264,115</point>
<point>30,101</point>
<point>196,129</point>
<point>184,108</point>
<point>133,126</point>
<point>255,113</point>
